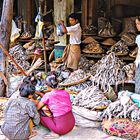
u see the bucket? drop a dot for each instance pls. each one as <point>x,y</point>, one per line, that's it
<point>58,51</point>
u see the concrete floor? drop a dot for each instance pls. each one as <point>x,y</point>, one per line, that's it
<point>78,133</point>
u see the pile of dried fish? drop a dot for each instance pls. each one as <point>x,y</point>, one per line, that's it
<point>26,35</point>
<point>75,77</point>
<point>91,98</point>
<point>90,29</point>
<point>107,71</point>
<point>20,56</point>
<point>107,31</point>
<point>3,102</point>
<point>120,48</point>
<point>94,48</point>
<point>85,64</point>
<point>129,71</point>
<point>123,108</point>
<point>80,87</point>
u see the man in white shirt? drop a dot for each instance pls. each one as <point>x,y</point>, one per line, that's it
<point>72,53</point>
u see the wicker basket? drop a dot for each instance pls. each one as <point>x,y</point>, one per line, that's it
<point>124,128</point>
<point>75,83</point>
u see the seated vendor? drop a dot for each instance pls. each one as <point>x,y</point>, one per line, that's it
<point>58,112</point>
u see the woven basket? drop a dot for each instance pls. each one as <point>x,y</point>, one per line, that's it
<point>124,128</point>
<point>75,83</point>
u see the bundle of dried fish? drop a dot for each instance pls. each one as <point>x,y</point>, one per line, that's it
<point>123,108</point>
<point>26,35</point>
<point>91,98</point>
<point>108,71</point>
<point>90,29</point>
<point>129,71</point>
<point>3,102</point>
<point>76,77</point>
<point>20,56</point>
<point>107,31</point>
<point>129,38</point>
<point>89,40</point>
<point>93,48</point>
<point>80,87</point>
<point>85,64</point>
<point>120,48</point>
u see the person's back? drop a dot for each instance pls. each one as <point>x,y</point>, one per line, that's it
<point>17,116</point>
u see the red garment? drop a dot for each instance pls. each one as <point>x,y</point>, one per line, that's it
<point>60,125</point>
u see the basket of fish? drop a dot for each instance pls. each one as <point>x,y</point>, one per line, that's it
<point>76,77</point>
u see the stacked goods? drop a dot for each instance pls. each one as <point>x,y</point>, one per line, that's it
<point>94,48</point>
<point>91,98</point>
<point>108,71</point>
<point>76,77</point>
<point>20,56</point>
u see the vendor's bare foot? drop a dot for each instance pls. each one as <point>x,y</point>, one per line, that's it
<point>51,135</point>
<point>34,133</point>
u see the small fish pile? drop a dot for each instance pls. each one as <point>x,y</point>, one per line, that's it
<point>107,71</point>
<point>123,108</point>
<point>120,48</point>
<point>85,64</point>
<point>93,48</point>
<point>80,87</point>
<point>20,56</point>
<point>75,77</point>
<point>91,98</point>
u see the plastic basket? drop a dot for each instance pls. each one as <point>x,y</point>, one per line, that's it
<point>58,51</point>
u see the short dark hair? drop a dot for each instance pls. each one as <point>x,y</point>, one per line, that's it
<point>26,89</point>
<point>28,78</point>
<point>73,15</point>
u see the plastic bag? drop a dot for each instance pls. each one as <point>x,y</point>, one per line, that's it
<point>14,32</point>
<point>59,30</point>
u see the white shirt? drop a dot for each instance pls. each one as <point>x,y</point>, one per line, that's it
<point>75,33</point>
<point>137,61</point>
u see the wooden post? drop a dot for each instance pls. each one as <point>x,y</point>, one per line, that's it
<point>5,33</point>
<point>45,56</point>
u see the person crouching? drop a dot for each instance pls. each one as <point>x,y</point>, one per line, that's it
<point>20,115</point>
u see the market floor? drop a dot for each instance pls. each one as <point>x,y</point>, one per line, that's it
<point>78,133</point>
